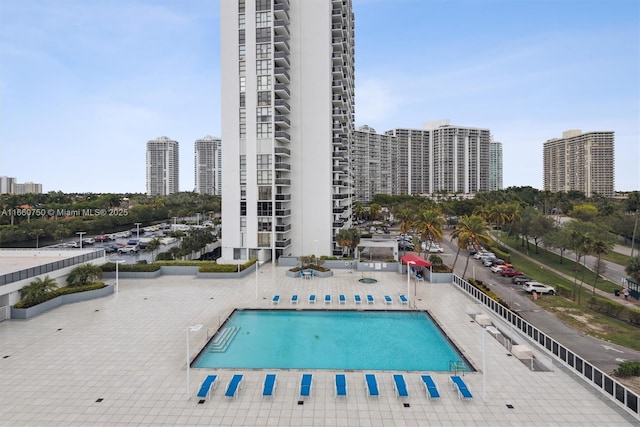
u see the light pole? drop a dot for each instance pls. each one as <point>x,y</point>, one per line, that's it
<point>81,233</point>
<point>257,266</point>
<point>118,262</point>
<point>316,244</point>
<point>484,363</point>
<point>409,263</point>
<point>138,230</point>
<point>190,329</point>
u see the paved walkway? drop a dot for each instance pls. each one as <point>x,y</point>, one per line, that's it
<point>120,361</point>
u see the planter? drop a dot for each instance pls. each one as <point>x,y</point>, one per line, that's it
<point>316,273</point>
<point>27,313</point>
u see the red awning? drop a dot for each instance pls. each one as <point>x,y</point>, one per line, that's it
<point>419,262</point>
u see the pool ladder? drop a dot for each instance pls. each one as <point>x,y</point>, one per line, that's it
<point>223,339</point>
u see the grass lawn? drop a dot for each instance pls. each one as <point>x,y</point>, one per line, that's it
<point>576,314</point>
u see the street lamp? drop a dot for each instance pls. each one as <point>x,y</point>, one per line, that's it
<point>138,230</point>
<point>190,329</point>
<point>409,263</point>
<point>316,243</point>
<point>118,262</point>
<point>81,233</point>
<point>257,266</point>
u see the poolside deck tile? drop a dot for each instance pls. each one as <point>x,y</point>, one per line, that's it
<point>129,350</point>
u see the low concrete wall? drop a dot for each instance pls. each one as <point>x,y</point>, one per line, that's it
<point>441,277</point>
<point>377,266</point>
<point>316,273</point>
<point>179,270</point>
<point>132,274</point>
<point>27,313</point>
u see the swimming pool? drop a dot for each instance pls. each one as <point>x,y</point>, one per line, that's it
<point>337,340</point>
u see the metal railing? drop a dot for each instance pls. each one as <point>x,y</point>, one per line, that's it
<point>617,392</point>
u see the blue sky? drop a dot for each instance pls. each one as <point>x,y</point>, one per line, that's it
<point>84,84</point>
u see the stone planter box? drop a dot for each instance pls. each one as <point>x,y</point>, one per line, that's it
<point>316,273</point>
<point>132,274</point>
<point>27,313</point>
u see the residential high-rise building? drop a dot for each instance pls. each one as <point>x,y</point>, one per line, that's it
<point>495,165</point>
<point>287,91</point>
<point>162,166</point>
<point>580,162</point>
<point>27,188</point>
<point>6,184</point>
<point>374,164</point>
<point>441,158</point>
<point>208,165</point>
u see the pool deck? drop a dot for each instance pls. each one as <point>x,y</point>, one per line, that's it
<point>129,350</point>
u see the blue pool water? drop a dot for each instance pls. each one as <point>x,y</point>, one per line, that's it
<point>336,340</point>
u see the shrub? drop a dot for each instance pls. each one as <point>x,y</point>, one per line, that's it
<point>139,268</point>
<point>60,291</point>
<point>628,369</point>
<point>84,274</point>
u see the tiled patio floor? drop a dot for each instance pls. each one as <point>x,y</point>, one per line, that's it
<point>129,350</point>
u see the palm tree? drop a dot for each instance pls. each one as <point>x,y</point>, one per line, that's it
<point>358,210</point>
<point>472,231</point>
<point>84,274</point>
<point>152,246</point>
<point>374,211</point>
<point>343,239</point>
<point>599,248</point>
<point>36,291</point>
<point>429,225</point>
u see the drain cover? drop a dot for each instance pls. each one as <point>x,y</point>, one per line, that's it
<point>406,405</point>
<point>99,400</point>
<point>509,405</point>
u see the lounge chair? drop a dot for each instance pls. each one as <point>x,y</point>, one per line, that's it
<point>430,386</point>
<point>269,386</point>
<point>327,299</point>
<point>342,299</point>
<point>294,299</point>
<point>208,384</point>
<point>372,385</point>
<point>388,299</point>
<point>312,299</point>
<point>403,300</point>
<point>341,385</point>
<point>463,390</point>
<point>370,299</point>
<point>305,385</point>
<point>233,386</point>
<point>357,299</point>
<point>275,299</point>
<point>400,385</point>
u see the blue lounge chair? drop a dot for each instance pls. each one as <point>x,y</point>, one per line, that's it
<point>430,387</point>
<point>208,384</point>
<point>312,299</point>
<point>372,385</point>
<point>327,299</point>
<point>463,390</point>
<point>305,385</point>
<point>294,299</point>
<point>403,300</point>
<point>400,385</point>
<point>388,299</point>
<point>370,299</point>
<point>341,385</point>
<point>342,299</point>
<point>269,386</point>
<point>275,299</point>
<point>233,386</point>
<point>357,299</point>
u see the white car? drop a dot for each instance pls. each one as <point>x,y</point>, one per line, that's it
<point>538,288</point>
<point>496,268</point>
<point>130,249</point>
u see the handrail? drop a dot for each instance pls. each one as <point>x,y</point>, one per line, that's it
<point>614,390</point>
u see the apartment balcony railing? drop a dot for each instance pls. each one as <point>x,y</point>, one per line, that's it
<point>283,212</point>
<point>282,90</point>
<point>283,243</point>
<point>281,43</point>
<point>285,228</point>
<point>282,121</point>
<point>282,59</point>
<point>281,74</point>
<point>282,166</point>
<point>282,106</point>
<point>283,197</point>
<point>282,136</point>
<point>283,182</point>
<point>281,27</point>
<point>282,151</point>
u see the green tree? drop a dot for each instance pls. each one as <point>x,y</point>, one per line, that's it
<point>633,268</point>
<point>429,225</point>
<point>36,291</point>
<point>472,232</point>
<point>153,246</point>
<point>599,248</point>
<point>84,274</point>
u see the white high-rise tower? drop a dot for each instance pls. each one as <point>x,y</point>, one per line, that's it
<point>287,95</point>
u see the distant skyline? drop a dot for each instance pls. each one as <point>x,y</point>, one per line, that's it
<point>85,85</point>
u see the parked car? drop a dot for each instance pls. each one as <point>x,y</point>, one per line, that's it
<point>520,280</point>
<point>539,288</point>
<point>102,238</point>
<point>481,254</point>
<point>129,249</point>
<point>88,241</point>
<point>510,272</point>
<point>497,268</point>
<point>405,246</point>
<point>108,249</point>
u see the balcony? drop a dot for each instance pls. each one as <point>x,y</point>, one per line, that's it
<point>337,86</point>
<point>339,209</point>
<point>282,106</point>
<point>282,151</point>
<point>283,212</point>
<point>282,166</point>
<point>283,243</point>
<point>282,59</point>
<point>282,90</point>
<point>285,228</point>
<point>338,224</point>
<point>337,99</point>
<point>281,11</point>
<point>281,74</point>
<point>283,182</point>
<point>283,197</point>
<point>282,121</point>
<point>281,27</point>
<point>281,43</point>
<point>282,136</point>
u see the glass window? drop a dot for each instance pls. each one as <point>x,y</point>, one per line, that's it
<point>243,83</point>
<point>263,4</point>
<point>243,224</point>
<point>264,177</point>
<point>242,68</point>
<point>263,19</point>
<point>264,240</point>
<point>242,99</point>
<point>242,51</point>
<point>263,51</point>
<point>263,35</point>
<point>264,83</point>
<point>264,224</point>
<point>241,21</point>
<point>264,130</point>
<point>263,67</point>
<point>264,192</point>
<point>263,114</point>
<point>264,161</point>
<point>241,36</point>
<point>265,209</point>
<point>264,99</point>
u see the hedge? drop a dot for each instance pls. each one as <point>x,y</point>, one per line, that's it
<point>62,291</point>
<point>138,268</point>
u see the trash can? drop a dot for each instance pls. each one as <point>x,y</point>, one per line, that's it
<point>617,292</point>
